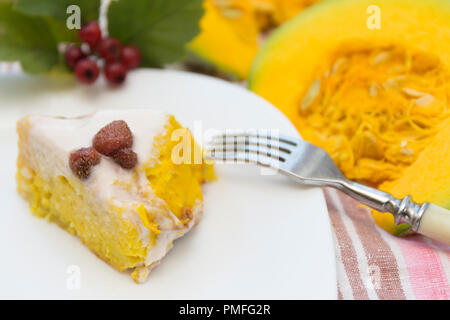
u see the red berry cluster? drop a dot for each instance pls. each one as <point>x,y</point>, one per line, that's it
<point>118,59</point>
<point>115,140</point>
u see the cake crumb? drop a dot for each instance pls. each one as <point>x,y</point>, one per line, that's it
<point>140,274</point>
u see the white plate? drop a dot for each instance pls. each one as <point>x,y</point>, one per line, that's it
<point>261,237</point>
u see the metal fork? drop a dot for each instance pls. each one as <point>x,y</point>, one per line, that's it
<point>311,165</point>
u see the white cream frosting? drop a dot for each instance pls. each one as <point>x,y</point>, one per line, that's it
<point>53,139</point>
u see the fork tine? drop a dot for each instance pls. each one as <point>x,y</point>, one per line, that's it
<point>252,141</point>
<point>259,137</point>
<point>279,143</point>
<point>262,149</point>
<point>250,149</point>
<point>259,159</point>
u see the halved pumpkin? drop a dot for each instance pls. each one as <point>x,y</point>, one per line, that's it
<point>231,29</point>
<point>368,80</point>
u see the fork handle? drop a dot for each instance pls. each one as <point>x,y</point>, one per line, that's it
<point>435,223</point>
<point>427,218</point>
<point>376,199</point>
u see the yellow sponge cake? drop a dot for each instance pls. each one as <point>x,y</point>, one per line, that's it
<point>110,179</point>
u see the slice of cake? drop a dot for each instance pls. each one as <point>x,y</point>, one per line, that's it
<point>116,179</point>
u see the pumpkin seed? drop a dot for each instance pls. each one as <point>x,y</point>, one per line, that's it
<point>400,78</point>
<point>407,151</point>
<point>232,13</point>
<point>425,100</point>
<point>339,62</point>
<point>380,58</point>
<point>391,83</point>
<point>413,93</point>
<point>311,95</point>
<point>222,3</point>
<point>373,90</point>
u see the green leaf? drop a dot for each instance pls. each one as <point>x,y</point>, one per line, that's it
<point>55,13</point>
<point>60,32</point>
<point>26,39</point>
<point>160,28</point>
<point>57,9</point>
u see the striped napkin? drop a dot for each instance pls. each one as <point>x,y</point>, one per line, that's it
<point>371,263</point>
